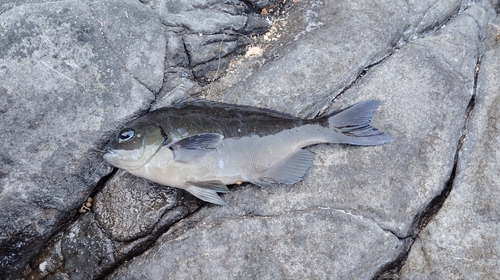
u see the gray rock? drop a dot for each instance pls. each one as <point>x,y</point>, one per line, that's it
<point>309,60</point>
<point>125,220</point>
<point>204,48</point>
<point>124,191</point>
<point>81,253</point>
<point>176,51</point>
<point>419,91</point>
<point>178,86</point>
<point>268,247</point>
<point>425,114</point>
<point>203,16</point>
<point>426,16</point>
<point>134,34</point>
<point>323,64</point>
<point>71,73</point>
<point>63,90</point>
<point>462,241</point>
<point>426,87</point>
<point>259,4</point>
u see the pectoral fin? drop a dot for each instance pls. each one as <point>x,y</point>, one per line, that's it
<point>207,191</point>
<point>195,147</point>
<point>288,171</point>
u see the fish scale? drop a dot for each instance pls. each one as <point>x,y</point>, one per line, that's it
<point>203,146</point>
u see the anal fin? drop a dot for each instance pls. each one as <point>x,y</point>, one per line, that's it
<point>288,171</point>
<point>207,191</point>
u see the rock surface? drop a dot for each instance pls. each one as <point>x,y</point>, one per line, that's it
<point>63,88</point>
<point>72,72</point>
<point>460,242</point>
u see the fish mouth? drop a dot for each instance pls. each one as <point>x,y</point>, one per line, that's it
<point>107,149</point>
<point>108,154</point>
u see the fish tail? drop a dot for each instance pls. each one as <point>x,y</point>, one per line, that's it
<point>352,125</point>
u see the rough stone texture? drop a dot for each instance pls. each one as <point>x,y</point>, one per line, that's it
<point>425,114</point>
<point>263,3</point>
<point>125,192</point>
<point>426,16</point>
<point>134,34</point>
<point>72,72</point>
<point>63,88</point>
<point>323,46</point>
<point>269,247</point>
<point>426,87</point>
<point>462,241</point>
<point>82,250</point>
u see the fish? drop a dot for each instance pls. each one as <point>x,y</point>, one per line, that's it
<point>202,147</point>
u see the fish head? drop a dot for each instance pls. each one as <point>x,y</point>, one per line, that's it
<point>135,145</point>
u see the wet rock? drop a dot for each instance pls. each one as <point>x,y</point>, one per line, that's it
<point>123,222</point>
<point>461,242</point>
<point>81,253</point>
<point>63,90</point>
<point>128,208</point>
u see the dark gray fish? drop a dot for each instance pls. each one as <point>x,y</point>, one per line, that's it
<point>203,146</point>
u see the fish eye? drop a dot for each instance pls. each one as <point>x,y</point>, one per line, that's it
<point>126,134</point>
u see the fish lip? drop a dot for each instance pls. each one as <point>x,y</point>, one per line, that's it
<point>108,149</point>
<point>108,152</point>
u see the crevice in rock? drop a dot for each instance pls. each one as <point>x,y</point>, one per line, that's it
<point>98,187</point>
<point>164,79</point>
<point>394,233</point>
<point>425,33</point>
<point>100,184</point>
<point>354,82</point>
<point>422,219</point>
<point>390,271</point>
<point>142,245</point>
<point>432,29</point>
<point>63,227</point>
<point>189,68</point>
<point>122,63</point>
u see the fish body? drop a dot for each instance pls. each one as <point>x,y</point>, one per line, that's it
<point>203,146</point>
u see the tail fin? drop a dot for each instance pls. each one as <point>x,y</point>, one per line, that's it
<point>353,125</point>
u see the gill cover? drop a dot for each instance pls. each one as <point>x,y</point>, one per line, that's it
<point>134,146</point>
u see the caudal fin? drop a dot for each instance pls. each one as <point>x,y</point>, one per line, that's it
<point>352,125</point>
